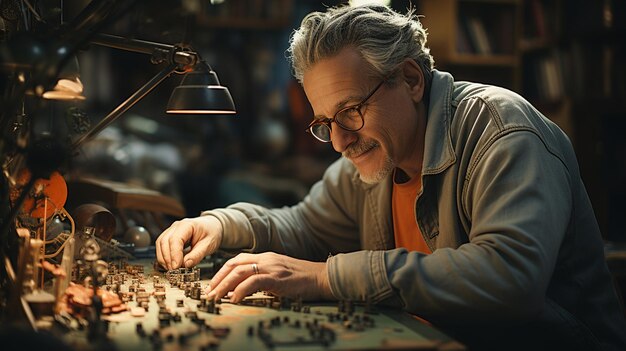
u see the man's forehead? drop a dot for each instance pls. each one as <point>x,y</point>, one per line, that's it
<point>347,62</point>
<point>332,82</point>
<point>326,97</point>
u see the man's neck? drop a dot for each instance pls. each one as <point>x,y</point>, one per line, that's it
<point>413,166</point>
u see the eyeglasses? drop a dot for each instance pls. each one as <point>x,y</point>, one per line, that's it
<point>349,118</point>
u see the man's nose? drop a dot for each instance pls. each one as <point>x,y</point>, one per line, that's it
<point>341,138</point>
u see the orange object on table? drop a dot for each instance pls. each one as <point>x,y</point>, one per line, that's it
<point>52,190</point>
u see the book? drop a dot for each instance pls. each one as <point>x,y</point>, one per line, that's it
<point>463,44</point>
<point>538,15</point>
<point>478,35</point>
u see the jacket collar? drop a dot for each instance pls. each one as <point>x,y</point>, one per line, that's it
<point>438,150</point>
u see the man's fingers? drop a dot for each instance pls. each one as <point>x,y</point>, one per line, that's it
<point>251,285</point>
<point>171,246</point>
<point>176,251</point>
<point>204,246</point>
<point>228,283</point>
<point>196,255</point>
<point>240,259</point>
<point>182,233</point>
<point>221,274</point>
<point>164,247</point>
<point>159,255</point>
<point>282,275</point>
<point>203,233</point>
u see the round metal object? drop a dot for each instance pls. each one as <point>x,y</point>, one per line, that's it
<point>138,236</point>
<point>95,218</point>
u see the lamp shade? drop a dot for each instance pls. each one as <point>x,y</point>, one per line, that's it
<point>200,92</point>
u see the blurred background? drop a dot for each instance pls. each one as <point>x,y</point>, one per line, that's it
<point>566,57</point>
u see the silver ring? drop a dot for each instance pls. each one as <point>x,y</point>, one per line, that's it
<point>255,268</point>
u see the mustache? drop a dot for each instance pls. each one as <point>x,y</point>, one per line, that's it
<point>358,148</point>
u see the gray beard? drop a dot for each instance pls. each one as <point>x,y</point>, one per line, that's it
<point>380,174</point>
<point>359,148</point>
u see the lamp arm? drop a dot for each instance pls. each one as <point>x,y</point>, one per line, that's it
<point>124,106</point>
<point>160,52</point>
<point>134,45</point>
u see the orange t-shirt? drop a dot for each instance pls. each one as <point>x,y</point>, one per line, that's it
<point>406,231</point>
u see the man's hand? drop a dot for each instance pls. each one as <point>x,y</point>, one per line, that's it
<point>204,234</point>
<point>278,274</point>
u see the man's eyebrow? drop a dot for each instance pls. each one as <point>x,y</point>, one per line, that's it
<point>320,118</point>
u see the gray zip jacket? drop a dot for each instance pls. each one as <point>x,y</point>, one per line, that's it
<point>516,246</point>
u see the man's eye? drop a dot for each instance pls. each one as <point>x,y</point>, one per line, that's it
<point>349,116</point>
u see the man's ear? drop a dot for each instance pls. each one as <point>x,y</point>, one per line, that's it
<point>414,79</point>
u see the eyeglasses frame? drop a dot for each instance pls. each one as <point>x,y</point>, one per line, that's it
<point>328,121</point>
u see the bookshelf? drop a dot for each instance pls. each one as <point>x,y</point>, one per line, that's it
<point>572,55</point>
<point>545,64</point>
<point>475,39</point>
<point>566,57</point>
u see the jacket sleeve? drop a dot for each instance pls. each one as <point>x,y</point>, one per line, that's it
<point>322,223</point>
<point>518,200</point>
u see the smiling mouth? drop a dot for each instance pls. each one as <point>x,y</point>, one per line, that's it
<point>359,151</point>
<point>361,154</point>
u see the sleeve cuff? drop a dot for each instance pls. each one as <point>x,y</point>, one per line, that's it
<point>237,233</point>
<point>359,276</point>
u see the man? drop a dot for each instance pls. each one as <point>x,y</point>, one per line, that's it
<point>458,202</point>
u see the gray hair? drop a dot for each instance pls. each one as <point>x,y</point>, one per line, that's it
<point>383,37</point>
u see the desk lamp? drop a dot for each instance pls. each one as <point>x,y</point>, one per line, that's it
<point>199,92</point>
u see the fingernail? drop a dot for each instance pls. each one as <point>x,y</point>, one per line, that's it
<point>188,263</point>
<point>174,264</point>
